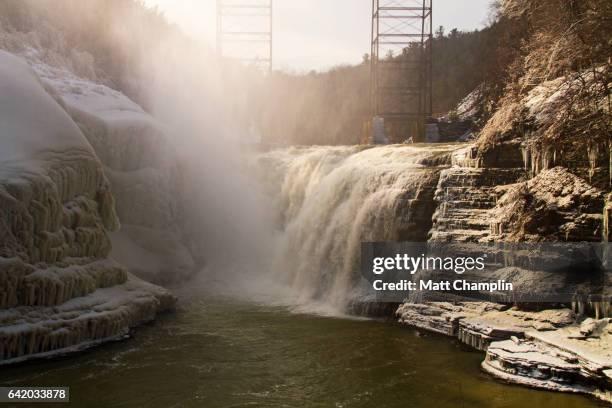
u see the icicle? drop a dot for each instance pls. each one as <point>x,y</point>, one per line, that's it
<point>610,163</point>
<point>607,212</point>
<point>525,151</point>
<point>593,154</point>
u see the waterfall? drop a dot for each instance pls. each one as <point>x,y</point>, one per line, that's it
<point>330,199</point>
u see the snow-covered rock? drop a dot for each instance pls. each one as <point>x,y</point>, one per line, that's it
<point>107,314</point>
<point>469,108</point>
<point>549,349</point>
<point>55,198</point>
<point>544,103</point>
<point>480,330</point>
<point>58,290</point>
<point>568,359</point>
<point>144,171</point>
<point>554,204</point>
<point>442,317</point>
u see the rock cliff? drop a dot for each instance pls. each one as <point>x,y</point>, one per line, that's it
<point>502,203</point>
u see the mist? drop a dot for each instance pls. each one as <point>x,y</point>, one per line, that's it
<point>202,102</point>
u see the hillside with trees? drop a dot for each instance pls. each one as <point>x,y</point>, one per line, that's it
<point>331,107</point>
<point>555,87</point>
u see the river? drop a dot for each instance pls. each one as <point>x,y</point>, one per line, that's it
<point>218,352</point>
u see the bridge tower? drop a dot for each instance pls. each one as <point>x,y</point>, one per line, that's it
<point>401,66</point>
<point>244,31</point>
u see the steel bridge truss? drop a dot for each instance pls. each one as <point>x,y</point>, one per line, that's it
<point>401,60</point>
<point>244,31</point>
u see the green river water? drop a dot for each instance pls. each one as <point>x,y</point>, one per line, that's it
<point>224,353</point>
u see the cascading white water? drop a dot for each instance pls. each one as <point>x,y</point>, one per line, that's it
<point>330,199</point>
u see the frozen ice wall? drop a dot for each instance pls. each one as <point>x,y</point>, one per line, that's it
<point>59,291</point>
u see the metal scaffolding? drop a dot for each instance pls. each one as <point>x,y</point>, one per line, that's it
<point>401,63</point>
<point>244,31</point>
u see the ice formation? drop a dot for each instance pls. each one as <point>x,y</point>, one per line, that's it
<point>144,172</point>
<point>55,197</point>
<point>58,289</point>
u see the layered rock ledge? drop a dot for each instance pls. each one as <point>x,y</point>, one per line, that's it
<point>501,197</point>
<point>577,358</point>
<point>549,349</point>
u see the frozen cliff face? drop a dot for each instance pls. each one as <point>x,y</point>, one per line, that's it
<point>58,290</point>
<point>540,128</point>
<point>499,203</point>
<point>55,199</point>
<point>495,204</point>
<point>144,173</point>
<point>546,114</point>
<point>104,315</point>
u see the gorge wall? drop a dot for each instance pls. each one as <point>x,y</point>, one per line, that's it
<point>539,171</point>
<point>144,170</point>
<point>509,192</point>
<point>59,289</point>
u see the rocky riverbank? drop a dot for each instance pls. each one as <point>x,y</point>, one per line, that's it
<point>556,193</point>
<point>557,349</point>
<point>552,349</point>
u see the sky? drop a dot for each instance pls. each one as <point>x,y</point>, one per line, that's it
<point>317,34</point>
